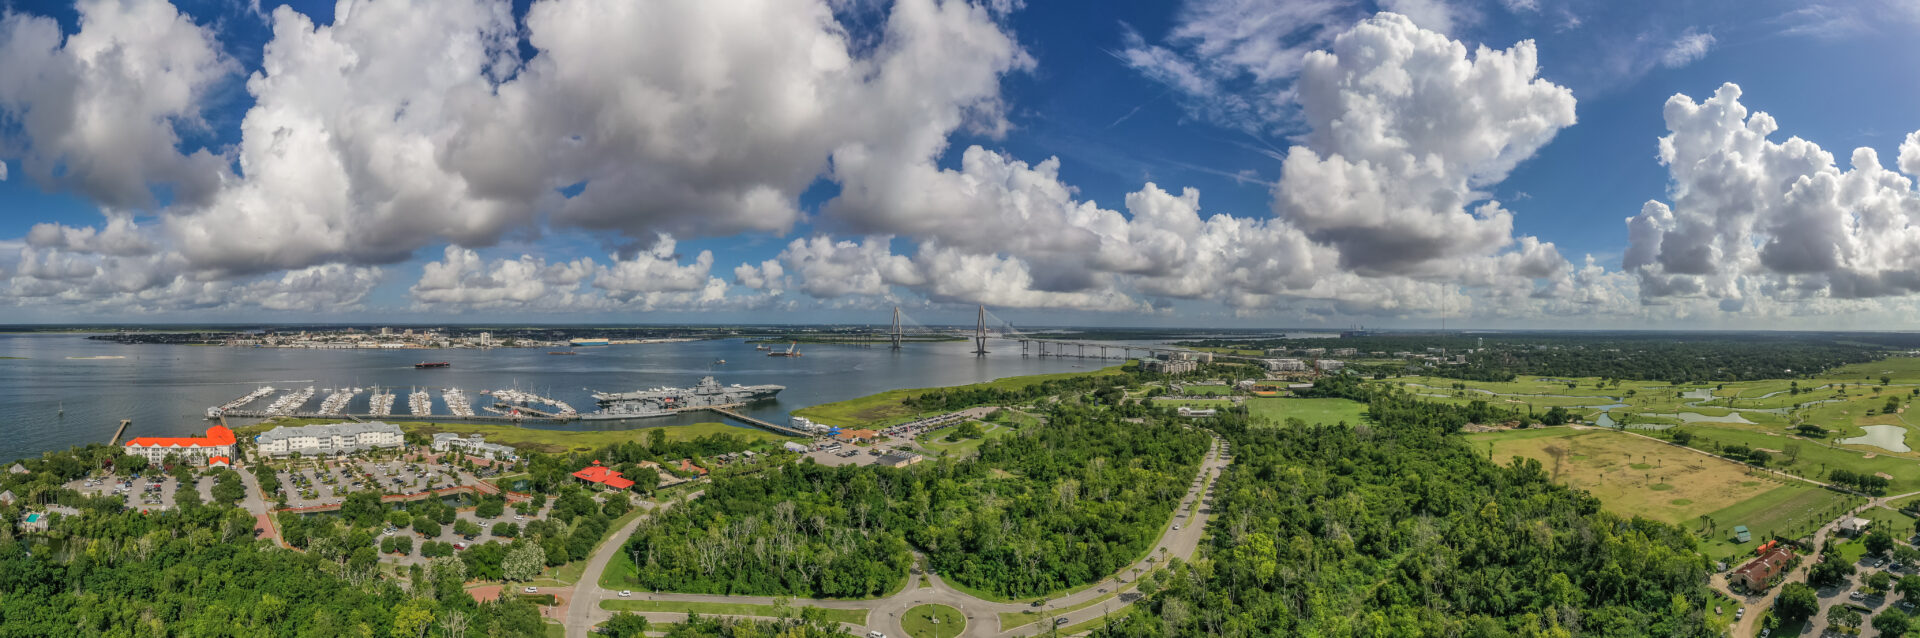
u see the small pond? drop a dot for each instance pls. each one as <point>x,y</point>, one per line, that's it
<point>1886,437</point>
<point>1696,417</point>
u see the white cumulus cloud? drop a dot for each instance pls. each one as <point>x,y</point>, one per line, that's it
<point>1405,126</point>
<point>1751,217</point>
<point>100,111</point>
<point>462,278</point>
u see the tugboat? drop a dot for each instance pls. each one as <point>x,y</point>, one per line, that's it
<point>432,364</point>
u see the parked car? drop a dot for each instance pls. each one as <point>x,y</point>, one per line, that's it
<point>532,590</point>
<point>625,594</point>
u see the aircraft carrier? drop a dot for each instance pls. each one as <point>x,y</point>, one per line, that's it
<point>663,401</point>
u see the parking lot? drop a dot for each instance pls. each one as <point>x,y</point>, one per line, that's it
<point>153,491</point>
<point>308,483</point>
<point>849,454</point>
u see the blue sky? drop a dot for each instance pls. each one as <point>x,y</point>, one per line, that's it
<point>1068,82</point>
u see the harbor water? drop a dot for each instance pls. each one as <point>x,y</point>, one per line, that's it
<point>166,389</point>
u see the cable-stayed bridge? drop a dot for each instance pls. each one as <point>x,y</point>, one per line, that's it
<point>991,328</point>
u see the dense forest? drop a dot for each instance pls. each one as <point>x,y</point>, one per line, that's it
<point>1053,507</point>
<point>1399,530</point>
<point>802,530</point>
<point>1675,357</point>
<point>1065,505</point>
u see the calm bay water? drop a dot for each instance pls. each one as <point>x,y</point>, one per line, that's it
<point>166,389</point>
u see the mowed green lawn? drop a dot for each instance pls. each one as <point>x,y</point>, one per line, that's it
<point>1328,411</point>
<point>1792,510</point>
<point>1277,410</point>
<point>887,408</point>
<point>933,621</point>
<point>1815,458</point>
<point>851,616</point>
<point>937,439</point>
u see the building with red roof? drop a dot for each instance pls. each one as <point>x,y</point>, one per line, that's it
<point>1756,574</point>
<point>219,461</point>
<point>218,442</point>
<point>600,475</point>
<point>686,465</point>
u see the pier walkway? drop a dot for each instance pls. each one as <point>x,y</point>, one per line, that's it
<point>777,429</point>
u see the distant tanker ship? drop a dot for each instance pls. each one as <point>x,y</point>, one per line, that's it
<point>663,401</point>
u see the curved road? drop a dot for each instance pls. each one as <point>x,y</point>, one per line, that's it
<point>1758,604</point>
<point>587,589</point>
<point>885,614</point>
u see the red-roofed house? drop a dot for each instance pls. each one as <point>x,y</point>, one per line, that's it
<point>603,476</point>
<point>219,461</point>
<point>686,465</point>
<point>218,442</point>
<point>1756,574</point>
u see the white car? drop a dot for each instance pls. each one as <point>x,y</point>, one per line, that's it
<point>531,590</point>
<point>1176,528</point>
<point>625,594</point>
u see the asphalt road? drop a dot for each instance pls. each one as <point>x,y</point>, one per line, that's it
<point>885,615</point>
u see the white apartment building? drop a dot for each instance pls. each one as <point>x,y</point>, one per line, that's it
<point>474,444</point>
<point>332,438</point>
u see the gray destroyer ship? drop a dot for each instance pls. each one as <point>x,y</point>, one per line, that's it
<point>663,401</point>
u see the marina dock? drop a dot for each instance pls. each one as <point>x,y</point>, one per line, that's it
<point>512,405</point>
<point>124,423</point>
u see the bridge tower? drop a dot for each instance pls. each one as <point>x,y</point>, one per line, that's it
<point>980,334</point>
<point>896,328</point>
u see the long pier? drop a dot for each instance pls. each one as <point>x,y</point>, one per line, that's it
<point>502,405</point>
<point>124,423</point>
<point>778,429</point>
<point>252,414</point>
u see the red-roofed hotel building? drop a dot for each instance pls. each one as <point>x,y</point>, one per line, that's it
<point>193,449</point>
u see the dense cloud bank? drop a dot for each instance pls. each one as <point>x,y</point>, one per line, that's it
<point>407,129</point>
